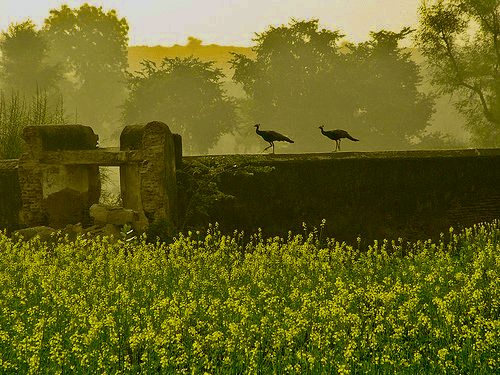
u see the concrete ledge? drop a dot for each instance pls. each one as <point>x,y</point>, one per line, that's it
<point>84,157</point>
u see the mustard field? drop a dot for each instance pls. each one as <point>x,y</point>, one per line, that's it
<point>214,304</point>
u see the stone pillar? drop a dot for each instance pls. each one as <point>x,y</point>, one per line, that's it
<point>149,185</point>
<point>54,194</point>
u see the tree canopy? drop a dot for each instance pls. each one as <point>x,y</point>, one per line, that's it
<point>91,44</point>
<point>392,109</point>
<point>23,60</point>
<point>186,94</point>
<point>303,76</point>
<point>461,42</point>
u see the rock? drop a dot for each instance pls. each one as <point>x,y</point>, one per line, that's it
<point>112,231</point>
<point>43,232</point>
<point>72,231</point>
<point>66,206</point>
<point>113,215</point>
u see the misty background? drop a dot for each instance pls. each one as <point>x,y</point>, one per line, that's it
<point>394,91</point>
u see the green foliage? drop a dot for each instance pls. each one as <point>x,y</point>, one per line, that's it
<point>459,39</point>
<point>302,76</point>
<point>16,113</point>
<point>23,60</point>
<point>294,82</point>
<point>391,103</point>
<point>79,54</point>
<point>159,231</point>
<point>91,45</point>
<point>199,185</point>
<point>187,95</point>
<point>212,303</point>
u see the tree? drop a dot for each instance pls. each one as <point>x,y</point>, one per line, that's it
<point>92,45</point>
<point>291,84</point>
<point>23,60</point>
<point>393,110</point>
<point>30,81</point>
<point>187,95</point>
<point>302,77</point>
<point>286,81</point>
<point>194,43</point>
<point>461,42</point>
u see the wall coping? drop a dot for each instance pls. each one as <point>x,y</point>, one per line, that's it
<point>451,153</point>
<point>112,156</point>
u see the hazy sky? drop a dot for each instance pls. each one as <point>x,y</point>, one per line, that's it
<point>228,22</point>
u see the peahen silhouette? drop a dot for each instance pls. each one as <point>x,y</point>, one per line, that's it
<point>271,137</point>
<point>337,135</point>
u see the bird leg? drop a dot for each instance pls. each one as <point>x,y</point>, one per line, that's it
<point>271,144</point>
<point>268,147</point>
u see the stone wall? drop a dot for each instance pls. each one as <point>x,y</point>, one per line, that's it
<point>57,178</point>
<point>10,195</point>
<point>384,195</point>
<point>150,186</point>
<point>57,193</point>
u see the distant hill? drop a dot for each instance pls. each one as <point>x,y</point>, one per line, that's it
<point>220,54</point>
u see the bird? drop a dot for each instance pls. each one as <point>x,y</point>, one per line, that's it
<point>271,137</point>
<point>337,135</point>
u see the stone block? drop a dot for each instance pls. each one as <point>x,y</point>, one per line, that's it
<point>113,215</point>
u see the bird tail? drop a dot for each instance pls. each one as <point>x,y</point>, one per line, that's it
<point>285,139</point>
<point>352,138</point>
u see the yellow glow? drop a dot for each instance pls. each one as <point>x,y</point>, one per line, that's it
<point>228,22</point>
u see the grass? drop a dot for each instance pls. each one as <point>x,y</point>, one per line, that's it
<point>209,303</point>
<point>17,112</point>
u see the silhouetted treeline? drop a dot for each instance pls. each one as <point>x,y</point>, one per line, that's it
<point>186,94</point>
<point>298,78</point>
<point>78,54</point>
<point>303,77</point>
<point>295,78</point>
